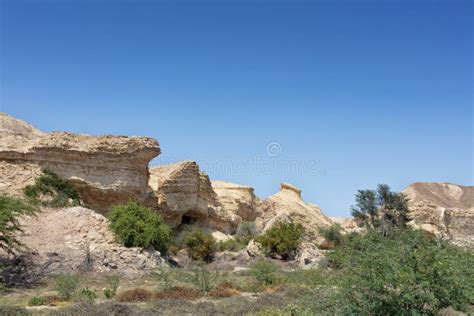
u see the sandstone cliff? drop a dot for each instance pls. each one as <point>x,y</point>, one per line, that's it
<point>444,210</point>
<point>287,205</point>
<point>106,170</point>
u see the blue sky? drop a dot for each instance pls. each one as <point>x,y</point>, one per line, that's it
<point>332,96</point>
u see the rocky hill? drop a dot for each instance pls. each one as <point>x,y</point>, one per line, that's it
<point>444,210</point>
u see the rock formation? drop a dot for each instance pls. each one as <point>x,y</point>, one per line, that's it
<point>106,170</point>
<point>67,240</point>
<point>237,199</point>
<point>443,210</point>
<point>287,205</point>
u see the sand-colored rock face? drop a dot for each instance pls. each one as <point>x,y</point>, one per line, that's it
<point>287,205</point>
<point>237,199</point>
<point>444,210</point>
<point>106,170</point>
<point>72,239</point>
<point>183,190</point>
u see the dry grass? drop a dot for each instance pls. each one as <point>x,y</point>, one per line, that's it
<point>138,294</point>
<point>178,292</point>
<point>225,289</point>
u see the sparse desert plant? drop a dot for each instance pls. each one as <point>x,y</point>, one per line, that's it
<point>55,191</point>
<point>204,279</point>
<point>201,246</point>
<point>138,226</point>
<point>135,295</point>
<point>66,285</point>
<point>11,208</point>
<point>113,282</point>
<point>265,272</point>
<point>282,239</point>
<point>224,289</point>
<point>164,276</point>
<point>37,300</point>
<point>87,294</point>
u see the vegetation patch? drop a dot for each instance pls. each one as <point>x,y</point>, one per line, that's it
<point>138,226</point>
<point>224,289</point>
<point>135,295</point>
<point>66,285</point>
<point>201,246</point>
<point>282,240</point>
<point>52,191</point>
<point>38,301</point>
<point>178,292</point>
<point>11,208</point>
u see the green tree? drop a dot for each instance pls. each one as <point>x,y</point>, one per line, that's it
<point>11,208</point>
<point>282,239</point>
<point>381,209</point>
<point>138,226</point>
<point>333,234</point>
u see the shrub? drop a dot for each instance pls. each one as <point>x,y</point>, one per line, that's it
<point>138,294</point>
<point>178,293</point>
<point>265,272</point>
<point>282,239</point>
<point>224,289</point>
<point>204,279</point>
<point>86,293</point>
<point>246,232</point>
<point>49,184</point>
<point>332,234</point>
<point>403,273</point>
<point>66,285</point>
<point>230,245</point>
<point>200,246</point>
<point>113,282</point>
<point>11,208</point>
<point>37,301</point>
<point>138,226</point>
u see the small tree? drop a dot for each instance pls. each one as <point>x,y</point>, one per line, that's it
<point>381,209</point>
<point>282,239</point>
<point>138,226</point>
<point>11,209</point>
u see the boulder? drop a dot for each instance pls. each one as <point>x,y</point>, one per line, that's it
<point>254,249</point>
<point>443,210</point>
<point>106,170</point>
<point>308,255</point>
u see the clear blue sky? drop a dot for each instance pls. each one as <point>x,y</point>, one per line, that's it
<point>354,93</point>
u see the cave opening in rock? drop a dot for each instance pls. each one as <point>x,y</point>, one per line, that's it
<point>187,220</point>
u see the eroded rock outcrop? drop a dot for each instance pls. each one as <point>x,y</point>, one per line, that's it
<point>237,199</point>
<point>443,210</point>
<point>287,205</point>
<point>106,170</point>
<point>75,239</point>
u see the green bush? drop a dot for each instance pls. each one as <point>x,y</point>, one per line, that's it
<point>138,226</point>
<point>49,184</point>
<point>87,294</point>
<point>332,234</point>
<point>11,208</point>
<point>201,246</point>
<point>230,245</point>
<point>38,301</point>
<point>404,273</point>
<point>66,285</point>
<point>246,232</point>
<point>113,282</point>
<point>265,272</point>
<point>282,239</point>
